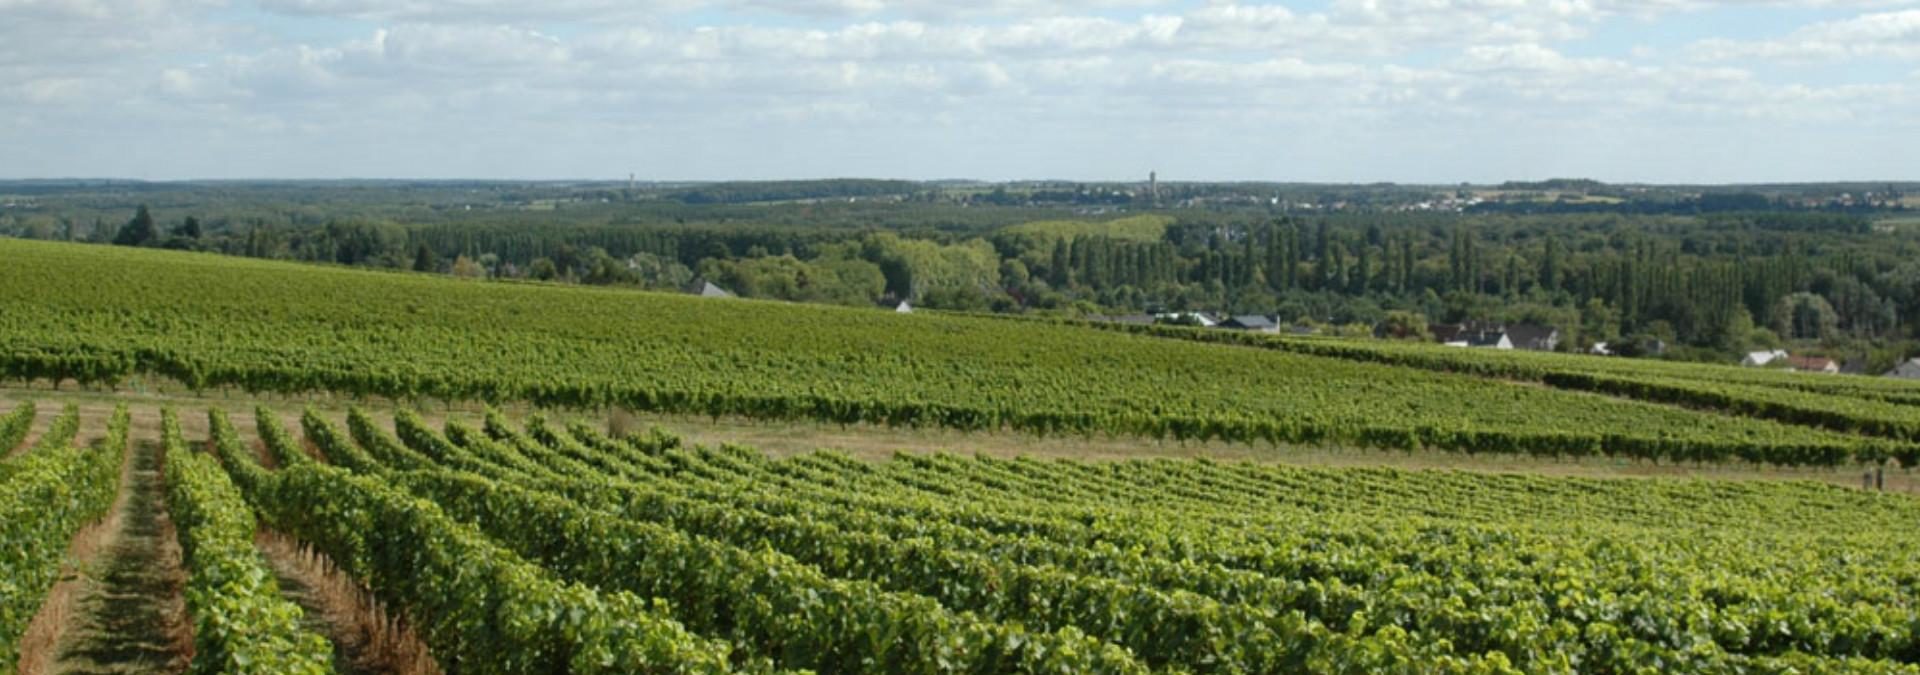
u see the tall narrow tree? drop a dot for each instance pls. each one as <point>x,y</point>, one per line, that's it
<point>138,231</point>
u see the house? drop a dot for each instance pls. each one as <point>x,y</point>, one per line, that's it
<point>1856,365</point>
<point>1474,334</point>
<point>1251,322</point>
<point>1760,359</point>
<point>1909,370</point>
<point>1813,364</point>
<point>1492,339</point>
<point>903,308</point>
<point>1533,337</point>
<point>1600,349</point>
<point>706,289</point>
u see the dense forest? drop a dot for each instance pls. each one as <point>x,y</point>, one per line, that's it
<point>1701,275</point>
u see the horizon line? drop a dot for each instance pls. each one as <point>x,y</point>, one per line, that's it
<point>934,181</point>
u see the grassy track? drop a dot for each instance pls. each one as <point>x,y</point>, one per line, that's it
<point>131,617</point>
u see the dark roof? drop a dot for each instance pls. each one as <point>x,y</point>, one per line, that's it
<point>1250,322</point>
<point>1455,332</point>
<point>1531,336</point>
<point>1485,338</point>
<point>1908,369</point>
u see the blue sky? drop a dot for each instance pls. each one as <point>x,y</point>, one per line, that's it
<point>1341,90</point>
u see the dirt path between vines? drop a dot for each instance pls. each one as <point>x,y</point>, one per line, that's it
<point>367,640</point>
<point>50,624</point>
<point>130,616</point>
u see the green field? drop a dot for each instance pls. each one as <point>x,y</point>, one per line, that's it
<point>102,316</point>
<point>1872,406</point>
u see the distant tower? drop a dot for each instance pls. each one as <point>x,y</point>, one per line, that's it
<point>629,182</point>
<point>1153,188</point>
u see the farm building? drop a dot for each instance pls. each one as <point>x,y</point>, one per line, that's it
<point>1251,322</point>
<point>1469,334</point>
<point>1489,340</point>
<point>1485,335</point>
<point>1908,370</point>
<point>1762,358</point>
<point>1534,337</point>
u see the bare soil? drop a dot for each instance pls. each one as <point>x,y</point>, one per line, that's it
<point>367,639</point>
<point>50,623</point>
<point>130,616</point>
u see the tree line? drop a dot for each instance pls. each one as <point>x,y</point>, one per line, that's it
<point>1704,286</point>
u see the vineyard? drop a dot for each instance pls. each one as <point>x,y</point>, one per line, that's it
<point>100,317</point>
<point>393,529</point>
<point>1871,406</point>
<point>546,545</point>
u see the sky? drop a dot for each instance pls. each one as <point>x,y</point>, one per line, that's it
<point>1411,91</point>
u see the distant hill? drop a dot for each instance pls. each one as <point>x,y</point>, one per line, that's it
<point>781,191</point>
<point>1557,184</point>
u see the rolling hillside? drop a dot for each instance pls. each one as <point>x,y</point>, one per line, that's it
<point>101,315</point>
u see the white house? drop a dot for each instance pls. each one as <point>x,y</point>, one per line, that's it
<point>903,308</point>
<point>1478,334</point>
<point>1499,340</point>
<point>1758,359</point>
<point>1532,337</point>
<point>1483,340</point>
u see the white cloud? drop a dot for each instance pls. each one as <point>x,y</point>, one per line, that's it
<point>484,11</point>
<point>1880,35</point>
<point>915,88</point>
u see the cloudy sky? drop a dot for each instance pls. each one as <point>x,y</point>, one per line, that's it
<point>1339,90</point>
